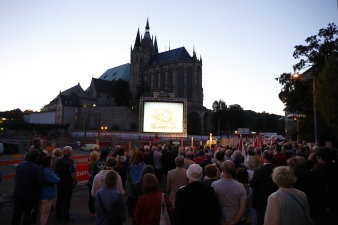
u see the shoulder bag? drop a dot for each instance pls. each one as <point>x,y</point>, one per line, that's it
<point>164,219</point>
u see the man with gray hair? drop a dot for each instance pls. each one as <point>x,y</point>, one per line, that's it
<point>65,169</point>
<point>188,159</point>
<point>231,195</point>
<point>176,178</point>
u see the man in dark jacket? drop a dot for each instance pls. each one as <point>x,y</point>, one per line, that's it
<point>263,186</point>
<point>27,188</point>
<point>196,196</point>
<point>323,196</point>
<point>168,159</point>
<point>101,163</point>
<point>65,169</point>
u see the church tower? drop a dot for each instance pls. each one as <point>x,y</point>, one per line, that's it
<point>140,55</point>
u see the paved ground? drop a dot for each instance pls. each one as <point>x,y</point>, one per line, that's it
<point>79,210</point>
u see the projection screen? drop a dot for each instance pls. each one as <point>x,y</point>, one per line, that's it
<point>166,117</point>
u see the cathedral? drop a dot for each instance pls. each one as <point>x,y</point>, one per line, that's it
<point>173,71</point>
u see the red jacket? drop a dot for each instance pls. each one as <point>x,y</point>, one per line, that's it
<point>148,209</point>
<point>279,159</point>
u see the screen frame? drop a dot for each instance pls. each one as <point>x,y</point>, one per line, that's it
<point>143,100</point>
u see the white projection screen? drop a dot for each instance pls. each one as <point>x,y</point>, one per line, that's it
<point>163,117</point>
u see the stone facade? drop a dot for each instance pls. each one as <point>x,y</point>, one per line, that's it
<point>173,71</point>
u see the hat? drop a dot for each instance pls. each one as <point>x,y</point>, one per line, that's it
<point>194,172</point>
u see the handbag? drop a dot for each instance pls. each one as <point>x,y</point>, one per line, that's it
<point>112,219</point>
<point>307,215</point>
<point>164,218</point>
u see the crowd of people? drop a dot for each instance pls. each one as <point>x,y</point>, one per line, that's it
<point>275,184</point>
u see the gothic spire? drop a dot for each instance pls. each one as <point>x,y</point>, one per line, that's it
<point>194,52</point>
<point>155,46</point>
<point>137,40</point>
<point>147,25</point>
<point>146,33</point>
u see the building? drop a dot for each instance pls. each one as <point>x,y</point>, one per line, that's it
<point>174,71</point>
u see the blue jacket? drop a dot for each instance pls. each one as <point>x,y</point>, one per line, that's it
<point>49,179</point>
<point>136,171</point>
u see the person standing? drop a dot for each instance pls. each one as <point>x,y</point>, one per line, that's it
<point>136,167</point>
<point>287,205</point>
<point>136,190</point>
<point>206,161</point>
<point>157,158</point>
<point>27,188</point>
<point>196,203</point>
<point>210,175</point>
<point>109,204</point>
<point>188,159</point>
<point>176,178</point>
<point>99,182</point>
<point>48,190</point>
<point>231,195</point>
<point>148,206</point>
<point>101,163</point>
<point>262,186</point>
<point>93,157</point>
<point>323,196</point>
<point>65,169</point>
<point>219,156</point>
<point>279,158</point>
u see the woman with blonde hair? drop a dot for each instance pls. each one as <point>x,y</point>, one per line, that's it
<point>287,205</point>
<point>56,154</point>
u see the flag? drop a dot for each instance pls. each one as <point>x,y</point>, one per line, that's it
<point>255,145</point>
<point>240,144</point>
<point>259,141</point>
<point>272,140</point>
<point>265,141</point>
<point>242,149</point>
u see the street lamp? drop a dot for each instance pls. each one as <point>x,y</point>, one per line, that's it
<point>315,120</point>
<point>296,117</point>
<point>295,76</point>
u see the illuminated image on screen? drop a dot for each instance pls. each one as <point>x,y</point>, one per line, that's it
<point>164,117</point>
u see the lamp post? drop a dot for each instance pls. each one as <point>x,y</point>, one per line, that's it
<point>87,117</point>
<point>296,76</point>
<point>296,117</point>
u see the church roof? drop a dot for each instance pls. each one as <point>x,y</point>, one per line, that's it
<point>77,89</point>
<point>120,72</point>
<point>70,100</point>
<point>102,86</point>
<point>170,56</point>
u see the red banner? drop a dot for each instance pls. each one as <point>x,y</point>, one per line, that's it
<point>81,171</point>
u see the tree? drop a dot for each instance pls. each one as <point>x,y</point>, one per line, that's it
<point>227,119</point>
<point>297,95</point>
<point>194,123</point>
<point>318,48</point>
<point>14,114</point>
<point>235,117</point>
<point>327,93</point>
<point>219,115</point>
